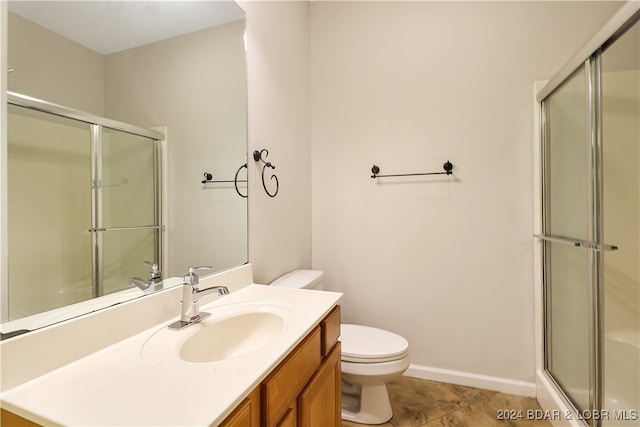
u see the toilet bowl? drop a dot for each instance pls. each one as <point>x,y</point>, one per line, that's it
<point>370,358</point>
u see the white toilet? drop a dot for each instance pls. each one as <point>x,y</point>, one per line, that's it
<point>371,358</point>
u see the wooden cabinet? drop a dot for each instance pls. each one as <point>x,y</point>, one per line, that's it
<point>290,416</point>
<point>247,414</point>
<point>284,384</point>
<point>305,389</point>
<point>330,330</point>
<point>9,419</point>
<point>320,402</point>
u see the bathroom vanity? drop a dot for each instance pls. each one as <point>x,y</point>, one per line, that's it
<point>266,356</point>
<point>304,389</point>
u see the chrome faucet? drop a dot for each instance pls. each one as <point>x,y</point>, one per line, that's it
<point>155,278</point>
<point>191,294</point>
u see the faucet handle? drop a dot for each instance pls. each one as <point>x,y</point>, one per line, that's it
<point>192,278</point>
<point>155,274</point>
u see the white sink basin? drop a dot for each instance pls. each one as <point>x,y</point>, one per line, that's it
<point>232,337</point>
<point>232,331</point>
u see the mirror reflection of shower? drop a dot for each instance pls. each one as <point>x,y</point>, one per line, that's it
<point>83,207</point>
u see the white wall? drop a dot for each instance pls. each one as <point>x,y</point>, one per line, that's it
<point>446,262</point>
<point>278,114</point>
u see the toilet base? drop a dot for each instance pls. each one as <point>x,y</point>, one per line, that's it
<point>374,406</point>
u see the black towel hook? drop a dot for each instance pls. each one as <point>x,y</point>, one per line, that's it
<point>261,156</point>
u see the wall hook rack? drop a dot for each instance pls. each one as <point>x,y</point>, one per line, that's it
<point>208,178</point>
<point>448,170</point>
<point>260,156</point>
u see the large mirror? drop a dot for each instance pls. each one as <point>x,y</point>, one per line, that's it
<point>177,67</point>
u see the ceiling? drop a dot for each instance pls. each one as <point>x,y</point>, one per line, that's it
<point>112,26</point>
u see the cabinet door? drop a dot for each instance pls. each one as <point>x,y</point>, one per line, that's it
<point>320,402</point>
<point>289,418</point>
<point>247,414</point>
<point>282,386</point>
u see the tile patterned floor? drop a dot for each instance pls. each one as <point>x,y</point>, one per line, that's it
<point>421,403</point>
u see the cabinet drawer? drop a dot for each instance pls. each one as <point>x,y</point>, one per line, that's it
<point>285,382</point>
<point>330,327</point>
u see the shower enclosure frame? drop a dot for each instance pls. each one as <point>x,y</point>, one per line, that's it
<point>593,243</point>
<point>97,124</point>
<point>589,58</point>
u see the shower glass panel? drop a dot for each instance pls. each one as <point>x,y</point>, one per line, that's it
<point>568,335</point>
<point>568,159</point>
<point>621,210</point>
<point>49,211</point>
<point>129,208</point>
<point>128,179</point>
<point>566,277</point>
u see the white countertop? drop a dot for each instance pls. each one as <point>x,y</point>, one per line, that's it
<point>117,386</point>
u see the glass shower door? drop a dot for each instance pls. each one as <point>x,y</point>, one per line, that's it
<point>565,225</point>
<point>591,233</point>
<point>621,210</point>
<point>129,214</point>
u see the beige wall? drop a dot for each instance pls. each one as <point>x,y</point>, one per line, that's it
<point>61,71</point>
<point>447,263</point>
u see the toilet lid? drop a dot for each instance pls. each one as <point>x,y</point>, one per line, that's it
<point>369,345</point>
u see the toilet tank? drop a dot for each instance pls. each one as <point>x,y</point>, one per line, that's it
<point>301,279</point>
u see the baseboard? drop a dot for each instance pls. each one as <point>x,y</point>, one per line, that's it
<point>504,385</point>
